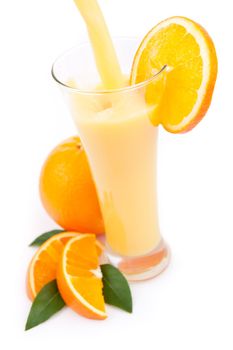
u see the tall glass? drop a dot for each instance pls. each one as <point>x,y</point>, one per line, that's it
<point>118,132</point>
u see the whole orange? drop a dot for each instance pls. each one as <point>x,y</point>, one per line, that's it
<point>67,189</point>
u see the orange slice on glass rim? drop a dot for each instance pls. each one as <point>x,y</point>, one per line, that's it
<point>188,53</point>
<point>79,277</point>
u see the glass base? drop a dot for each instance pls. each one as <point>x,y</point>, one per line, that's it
<point>141,267</point>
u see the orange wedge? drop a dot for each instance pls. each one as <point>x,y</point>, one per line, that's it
<point>79,277</point>
<point>189,54</point>
<point>43,266</point>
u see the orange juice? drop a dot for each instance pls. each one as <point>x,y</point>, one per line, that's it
<point>121,146</point>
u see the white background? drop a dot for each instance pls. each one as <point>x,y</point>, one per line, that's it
<point>189,306</point>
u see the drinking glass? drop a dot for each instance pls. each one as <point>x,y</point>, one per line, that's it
<point>118,129</point>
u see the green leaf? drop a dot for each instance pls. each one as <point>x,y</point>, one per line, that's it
<point>116,289</point>
<point>47,302</point>
<point>44,237</point>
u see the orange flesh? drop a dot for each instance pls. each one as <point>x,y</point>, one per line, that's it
<point>43,267</point>
<point>46,266</point>
<point>183,81</point>
<point>76,270</point>
<point>89,288</point>
<point>173,45</point>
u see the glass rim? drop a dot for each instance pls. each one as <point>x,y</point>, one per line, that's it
<point>104,91</point>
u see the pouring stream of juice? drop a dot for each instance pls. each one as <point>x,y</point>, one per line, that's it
<point>104,52</point>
